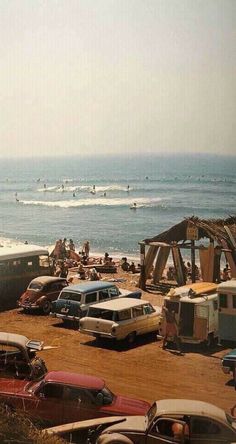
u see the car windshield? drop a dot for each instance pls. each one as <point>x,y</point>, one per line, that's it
<point>70,295</point>
<point>35,286</point>
<point>151,414</point>
<point>231,420</point>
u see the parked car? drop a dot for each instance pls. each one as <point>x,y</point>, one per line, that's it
<point>41,292</point>
<point>74,301</point>
<point>121,319</point>
<point>18,358</point>
<point>228,362</point>
<point>61,397</point>
<point>174,421</point>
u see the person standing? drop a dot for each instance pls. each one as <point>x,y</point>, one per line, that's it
<point>171,328</point>
<point>86,248</point>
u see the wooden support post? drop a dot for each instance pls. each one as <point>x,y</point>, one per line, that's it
<point>193,263</point>
<point>142,279</point>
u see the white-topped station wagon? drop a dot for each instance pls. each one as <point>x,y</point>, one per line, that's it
<point>120,319</point>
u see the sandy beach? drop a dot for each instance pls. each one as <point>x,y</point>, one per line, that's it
<point>144,371</point>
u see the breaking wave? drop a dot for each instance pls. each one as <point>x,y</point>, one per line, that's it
<point>105,202</point>
<point>88,188</point>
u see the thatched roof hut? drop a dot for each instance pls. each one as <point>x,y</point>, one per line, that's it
<point>210,237</point>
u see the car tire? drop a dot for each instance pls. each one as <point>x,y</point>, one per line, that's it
<point>46,307</point>
<point>131,337</point>
<point>114,438</point>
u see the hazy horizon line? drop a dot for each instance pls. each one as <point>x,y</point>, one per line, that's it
<point>120,155</point>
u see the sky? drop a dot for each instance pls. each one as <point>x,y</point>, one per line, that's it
<point>117,76</point>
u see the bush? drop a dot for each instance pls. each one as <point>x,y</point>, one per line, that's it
<point>16,428</point>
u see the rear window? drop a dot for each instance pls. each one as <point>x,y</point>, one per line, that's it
<point>70,295</point>
<point>35,286</point>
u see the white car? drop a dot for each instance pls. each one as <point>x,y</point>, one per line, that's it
<point>120,319</point>
<point>169,421</point>
<point>174,421</point>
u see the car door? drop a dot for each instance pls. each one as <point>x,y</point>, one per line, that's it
<point>152,319</point>
<point>78,404</point>
<point>48,404</point>
<point>140,320</point>
<point>204,430</point>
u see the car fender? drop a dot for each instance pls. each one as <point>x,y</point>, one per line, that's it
<point>113,438</point>
<point>42,299</point>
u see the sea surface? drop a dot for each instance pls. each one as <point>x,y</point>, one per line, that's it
<point>43,199</point>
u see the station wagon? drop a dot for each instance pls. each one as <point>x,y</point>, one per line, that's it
<point>121,319</point>
<point>75,300</point>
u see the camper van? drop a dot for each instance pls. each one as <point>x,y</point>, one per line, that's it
<point>227,310</point>
<point>196,312</point>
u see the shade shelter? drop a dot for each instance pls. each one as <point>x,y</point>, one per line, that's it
<point>209,238</point>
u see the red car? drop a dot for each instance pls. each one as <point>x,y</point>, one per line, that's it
<point>63,397</point>
<point>40,293</point>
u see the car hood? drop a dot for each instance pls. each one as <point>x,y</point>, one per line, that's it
<point>31,295</point>
<point>13,385</point>
<point>132,423</point>
<point>127,406</point>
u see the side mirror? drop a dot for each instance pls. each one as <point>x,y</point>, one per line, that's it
<point>99,399</point>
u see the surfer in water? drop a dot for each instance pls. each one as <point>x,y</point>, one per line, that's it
<point>134,206</point>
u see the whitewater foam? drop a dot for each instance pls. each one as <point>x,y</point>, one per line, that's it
<point>94,201</point>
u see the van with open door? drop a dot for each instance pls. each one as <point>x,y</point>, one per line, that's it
<point>196,312</point>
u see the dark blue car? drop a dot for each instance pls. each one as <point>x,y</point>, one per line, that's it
<point>73,302</point>
<point>229,362</point>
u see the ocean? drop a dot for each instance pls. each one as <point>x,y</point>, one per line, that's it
<point>43,199</point>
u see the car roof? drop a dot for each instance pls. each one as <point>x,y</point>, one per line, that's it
<point>227,286</point>
<point>76,379</point>
<point>194,300</point>
<point>47,279</point>
<point>13,339</point>
<point>17,251</point>
<point>189,407</point>
<point>89,286</point>
<point>120,304</point>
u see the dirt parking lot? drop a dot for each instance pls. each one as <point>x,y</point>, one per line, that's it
<point>144,371</point>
